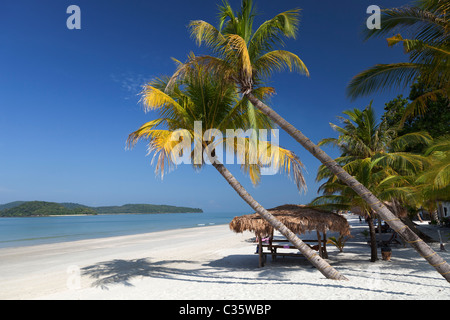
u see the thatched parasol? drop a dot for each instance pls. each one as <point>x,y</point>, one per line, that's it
<point>298,218</point>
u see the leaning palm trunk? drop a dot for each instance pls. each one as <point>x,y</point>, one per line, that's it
<point>394,222</point>
<point>326,269</point>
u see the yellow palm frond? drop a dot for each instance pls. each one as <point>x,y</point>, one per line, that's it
<point>237,44</point>
<point>285,23</point>
<point>161,143</point>
<point>419,105</point>
<point>211,64</point>
<point>202,31</point>
<point>155,99</point>
<point>254,155</point>
<point>263,92</point>
<point>144,132</point>
<point>278,60</point>
<point>291,165</point>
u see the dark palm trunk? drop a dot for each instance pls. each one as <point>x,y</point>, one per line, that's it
<point>406,220</point>
<point>324,267</point>
<point>394,222</point>
<point>373,240</point>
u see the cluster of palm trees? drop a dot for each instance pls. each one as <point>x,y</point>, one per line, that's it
<point>371,151</point>
<point>226,90</point>
<point>383,161</point>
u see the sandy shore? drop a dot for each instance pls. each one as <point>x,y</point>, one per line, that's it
<point>209,263</point>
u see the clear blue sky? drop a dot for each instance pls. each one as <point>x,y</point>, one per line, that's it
<point>68,98</point>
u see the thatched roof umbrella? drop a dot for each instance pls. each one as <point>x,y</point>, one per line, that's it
<point>298,218</point>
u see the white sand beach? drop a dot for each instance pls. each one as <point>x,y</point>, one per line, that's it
<point>210,263</point>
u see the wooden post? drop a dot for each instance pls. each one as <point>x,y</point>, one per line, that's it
<point>261,256</point>
<point>325,253</point>
<point>320,243</point>
<point>270,246</point>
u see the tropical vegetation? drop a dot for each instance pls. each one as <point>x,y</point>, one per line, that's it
<point>246,58</point>
<point>436,121</point>
<point>434,182</point>
<point>210,110</point>
<point>373,153</point>
<point>426,41</point>
<point>44,208</point>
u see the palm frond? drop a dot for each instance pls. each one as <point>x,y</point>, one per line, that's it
<point>203,32</point>
<point>419,105</point>
<point>382,77</point>
<point>410,140</point>
<point>271,31</point>
<point>437,175</point>
<point>155,99</point>
<point>160,143</point>
<point>252,153</point>
<point>404,162</point>
<point>236,44</point>
<point>331,202</point>
<point>422,24</point>
<point>279,60</point>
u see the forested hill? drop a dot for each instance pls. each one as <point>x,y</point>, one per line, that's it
<point>43,208</point>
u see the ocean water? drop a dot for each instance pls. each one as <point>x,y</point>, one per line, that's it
<point>17,232</point>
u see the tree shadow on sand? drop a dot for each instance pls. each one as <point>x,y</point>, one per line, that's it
<point>120,271</point>
<point>221,271</point>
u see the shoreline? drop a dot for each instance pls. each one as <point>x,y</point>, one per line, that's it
<point>103,237</point>
<point>96,214</point>
<point>211,263</point>
<point>109,226</point>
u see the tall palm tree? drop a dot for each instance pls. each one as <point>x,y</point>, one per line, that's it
<point>202,97</point>
<point>246,58</point>
<point>427,26</point>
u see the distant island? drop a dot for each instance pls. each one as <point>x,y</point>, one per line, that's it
<point>43,208</point>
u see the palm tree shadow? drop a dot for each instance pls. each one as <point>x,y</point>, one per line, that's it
<point>120,271</point>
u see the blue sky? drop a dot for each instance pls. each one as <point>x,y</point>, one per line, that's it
<point>68,98</point>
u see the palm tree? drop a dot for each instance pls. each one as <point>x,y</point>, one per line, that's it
<point>246,58</point>
<point>202,97</point>
<point>427,24</point>
<point>373,153</point>
<point>384,182</point>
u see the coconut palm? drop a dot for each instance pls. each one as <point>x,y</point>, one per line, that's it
<point>384,182</point>
<point>247,58</point>
<point>203,98</point>
<point>361,136</point>
<point>427,26</point>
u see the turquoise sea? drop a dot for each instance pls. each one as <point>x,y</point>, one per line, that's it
<point>17,232</point>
